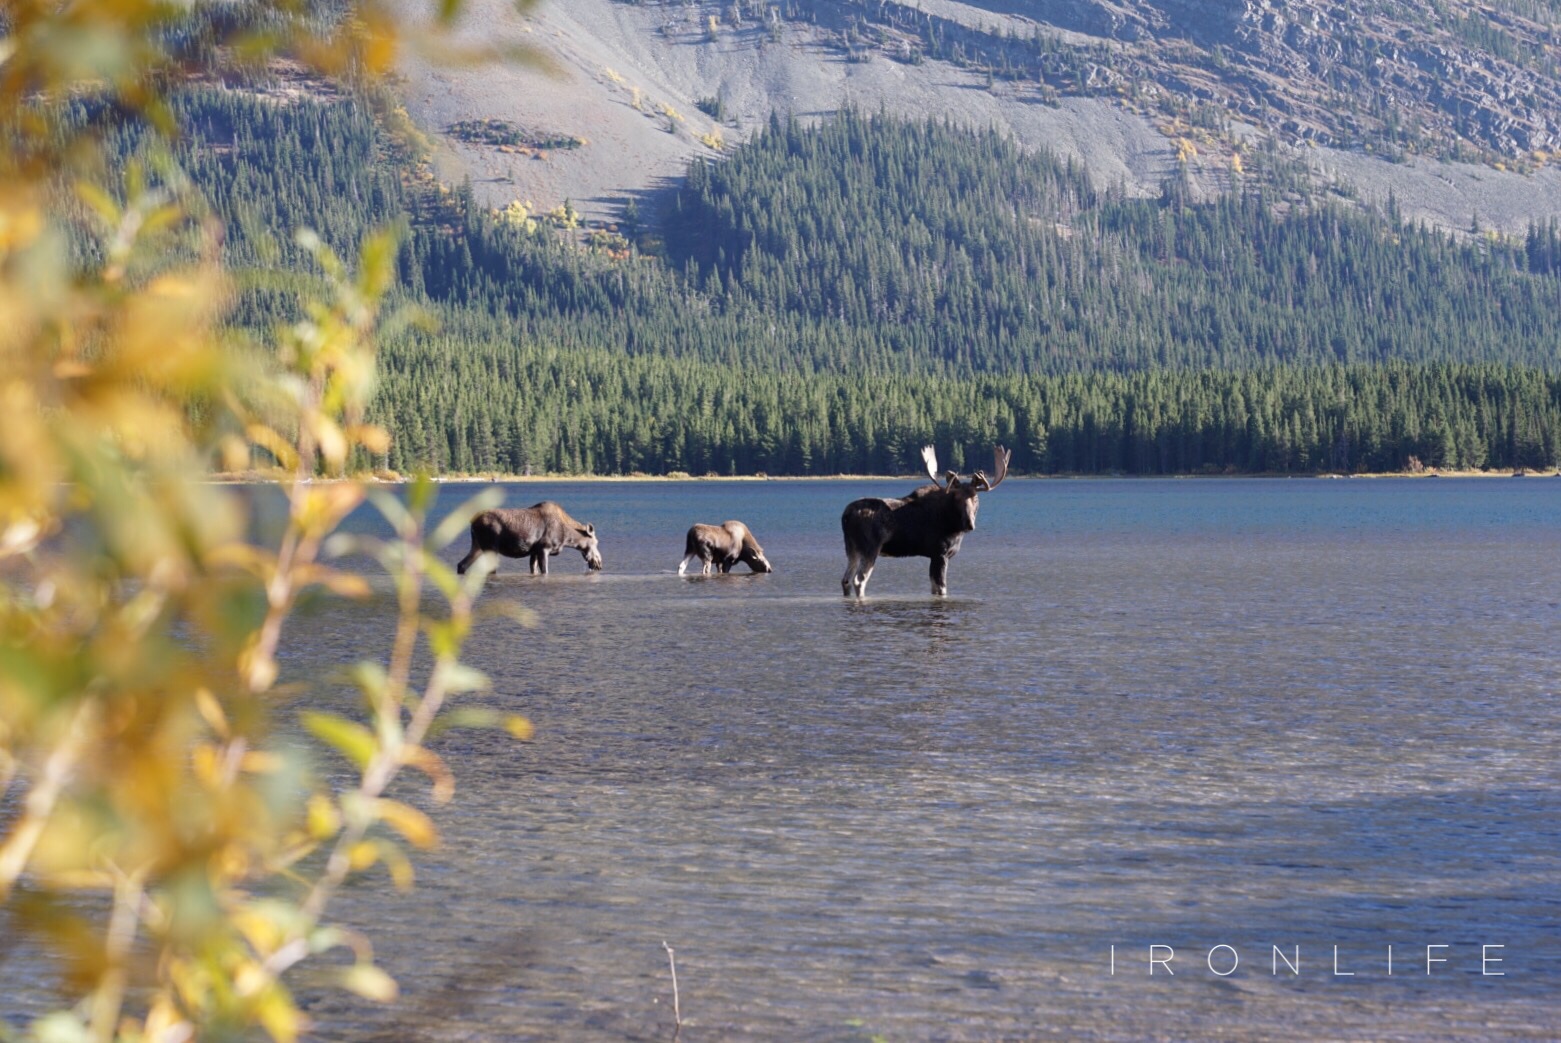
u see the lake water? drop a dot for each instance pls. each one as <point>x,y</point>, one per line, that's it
<point>1194,713</point>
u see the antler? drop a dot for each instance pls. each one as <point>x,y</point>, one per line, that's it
<point>999,465</point>
<point>929,456</point>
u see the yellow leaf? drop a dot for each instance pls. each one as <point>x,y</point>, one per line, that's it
<point>324,506</point>
<point>411,823</point>
<point>333,444</point>
<point>343,584</point>
<point>261,762</point>
<point>370,982</point>
<point>234,452</point>
<point>519,727</point>
<point>371,437</point>
<point>206,762</point>
<point>401,873</point>
<point>163,1021</point>
<point>362,855</point>
<point>500,608</point>
<point>259,670</point>
<point>211,712</point>
<point>323,818</point>
<point>278,1016</point>
<point>242,556</point>
<point>273,443</point>
<point>262,932</point>
<point>432,765</point>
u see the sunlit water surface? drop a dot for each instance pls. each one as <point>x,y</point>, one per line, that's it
<point>1184,713</point>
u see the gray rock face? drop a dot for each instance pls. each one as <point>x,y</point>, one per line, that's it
<point>1376,98</point>
<point>1447,79</point>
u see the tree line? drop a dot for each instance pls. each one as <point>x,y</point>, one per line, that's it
<point>493,406</point>
<point>833,296</point>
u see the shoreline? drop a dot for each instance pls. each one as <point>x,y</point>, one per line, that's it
<point>496,478</point>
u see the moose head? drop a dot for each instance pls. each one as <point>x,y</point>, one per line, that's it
<point>965,495</point>
<point>586,543</point>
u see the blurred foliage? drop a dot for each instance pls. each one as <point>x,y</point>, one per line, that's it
<point>160,837</point>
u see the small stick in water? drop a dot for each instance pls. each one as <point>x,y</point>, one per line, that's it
<point>677,1010</point>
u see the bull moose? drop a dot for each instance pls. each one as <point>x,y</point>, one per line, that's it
<point>722,546</point>
<point>534,532</point>
<point>929,523</point>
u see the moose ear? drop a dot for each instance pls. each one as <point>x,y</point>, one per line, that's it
<point>590,530</point>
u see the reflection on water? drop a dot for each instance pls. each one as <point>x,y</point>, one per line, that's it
<point>1184,713</point>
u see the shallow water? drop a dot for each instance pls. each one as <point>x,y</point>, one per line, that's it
<point>1186,713</point>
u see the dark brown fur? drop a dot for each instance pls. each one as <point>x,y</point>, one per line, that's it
<point>531,532</point>
<point>929,523</point>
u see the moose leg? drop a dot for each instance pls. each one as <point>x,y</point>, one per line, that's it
<point>687,561</point>
<point>864,573</point>
<point>539,561</point>
<point>939,572</point>
<point>859,569</point>
<point>466,562</point>
<point>848,581</point>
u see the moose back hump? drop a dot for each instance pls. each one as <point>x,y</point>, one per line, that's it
<point>535,532</point>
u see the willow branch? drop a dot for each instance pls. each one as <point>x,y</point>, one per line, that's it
<point>108,998</point>
<point>387,761</point>
<point>44,795</point>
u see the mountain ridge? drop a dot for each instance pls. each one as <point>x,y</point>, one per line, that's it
<point>627,79</point>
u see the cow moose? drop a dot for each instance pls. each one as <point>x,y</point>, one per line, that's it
<point>535,532</point>
<point>722,546</point>
<point>929,523</point>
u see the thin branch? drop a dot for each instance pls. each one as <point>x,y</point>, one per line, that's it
<point>109,997</point>
<point>677,1007</point>
<point>387,762</point>
<point>39,805</point>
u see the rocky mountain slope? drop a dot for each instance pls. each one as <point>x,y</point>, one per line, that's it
<point>1451,107</point>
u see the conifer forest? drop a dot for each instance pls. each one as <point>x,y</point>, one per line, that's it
<point>828,297</point>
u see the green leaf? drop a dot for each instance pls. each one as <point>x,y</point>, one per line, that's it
<point>471,717</point>
<point>348,738</point>
<point>442,576</point>
<point>460,519</point>
<point>421,494</point>
<point>100,202</point>
<point>477,573</point>
<point>444,638</point>
<point>324,939</point>
<point>341,544</point>
<point>392,510</point>
<point>484,717</point>
<point>458,677</point>
<point>371,679</point>
<point>377,263</point>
